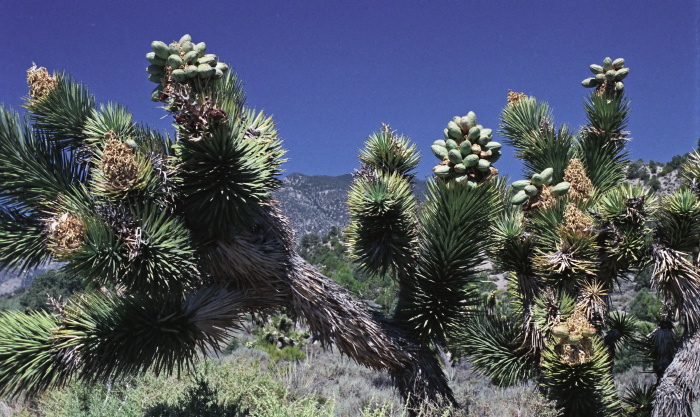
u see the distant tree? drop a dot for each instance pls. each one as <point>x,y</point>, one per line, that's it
<point>652,167</point>
<point>654,183</point>
<point>638,170</point>
<point>53,283</point>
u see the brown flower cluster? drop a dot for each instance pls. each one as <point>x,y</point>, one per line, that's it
<point>40,83</point>
<point>65,233</point>
<point>118,163</point>
<point>581,185</point>
<point>514,98</point>
<point>576,221</point>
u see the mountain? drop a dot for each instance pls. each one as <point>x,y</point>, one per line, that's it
<point>315,203</point>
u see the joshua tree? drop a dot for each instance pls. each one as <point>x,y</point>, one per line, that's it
<point>177,237</point>
<point>566,254</point>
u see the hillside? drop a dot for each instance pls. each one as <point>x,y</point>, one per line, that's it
<point>315,203</point>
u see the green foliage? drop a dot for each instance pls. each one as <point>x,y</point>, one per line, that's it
<point>55,284</point>
<point>494,344</point>
<point>645,306</point>
<point>200,400</point>
<point>279,337</point>
<point>638,170</point>
<point>654,183</point>
<point>448,258</point>
<point>333,260</point>
<point>581,389</point>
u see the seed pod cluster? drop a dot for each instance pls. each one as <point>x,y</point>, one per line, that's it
<point>466,152</point>
<point>573,338</point>
<point>609,76</point>
<point>529,190</point>
<point>181,62</point>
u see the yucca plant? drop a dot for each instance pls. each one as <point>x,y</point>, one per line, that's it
<point>575,229</point>
<point>175,235</point>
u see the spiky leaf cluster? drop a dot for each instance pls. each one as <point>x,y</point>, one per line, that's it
<point>581,389</point>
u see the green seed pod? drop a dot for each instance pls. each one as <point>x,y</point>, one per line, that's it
<point>179,75</point>
<point>459,168</point>
<point>471,119</point>
<point>205,70</point>
<point>186,47</point>
<point>191,71</point>
<point>537,180</point>
<point>131,143</point>
<point>156,78</point>
<point>455,156</point>
<point>446,134</point>
<point>465,148</point>
<point>155,94</point>
<point>201,48</point>
<point>174,48</point>
<point>493,146</point>
<point>520,184</point>
<point>439,151</point>
<point>495,155</point>
<point>451,144</point>
<point>610,75</point>
<point>218,73</point>
<point>589,83</point>
<point>621,74</point>
<point>160,49</point>
<point>486,132</point>
<point>588,332</point>
<point>560,330</point>
<point>155,60</point>
<point>476,149</point>
<point>483,165</point>
<point>210,59</point>
<point>185,38</point>
<point>190,57</point>
<point>440,142</point>
<point>441,171</point>
<point>530,190</point>
<point>607,64</point>
<point>455,131</point>
<point>618,63</point>
<point>619,86</point>
<point>561,189</point>
<point>470,160</point>
<point>596,69</point>
<point>519,198</point>
<point>600,78</point>
<point>154,69</point>
<point>574,339</point>
<point>174,61</point>
<point>464,124</point>
<point>461,178</point>
<point>547,175</point>
<point>221,66</point>
<point>483,139</point>
<point>474,133</point>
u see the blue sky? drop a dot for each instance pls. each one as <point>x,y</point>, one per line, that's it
<point>331,72</point>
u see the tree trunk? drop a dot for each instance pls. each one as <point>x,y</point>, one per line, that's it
<point>678,387</point>
<point>265,262</point>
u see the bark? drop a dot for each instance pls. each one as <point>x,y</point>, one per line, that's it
<point>679,387</point>
<point>264,261</point>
